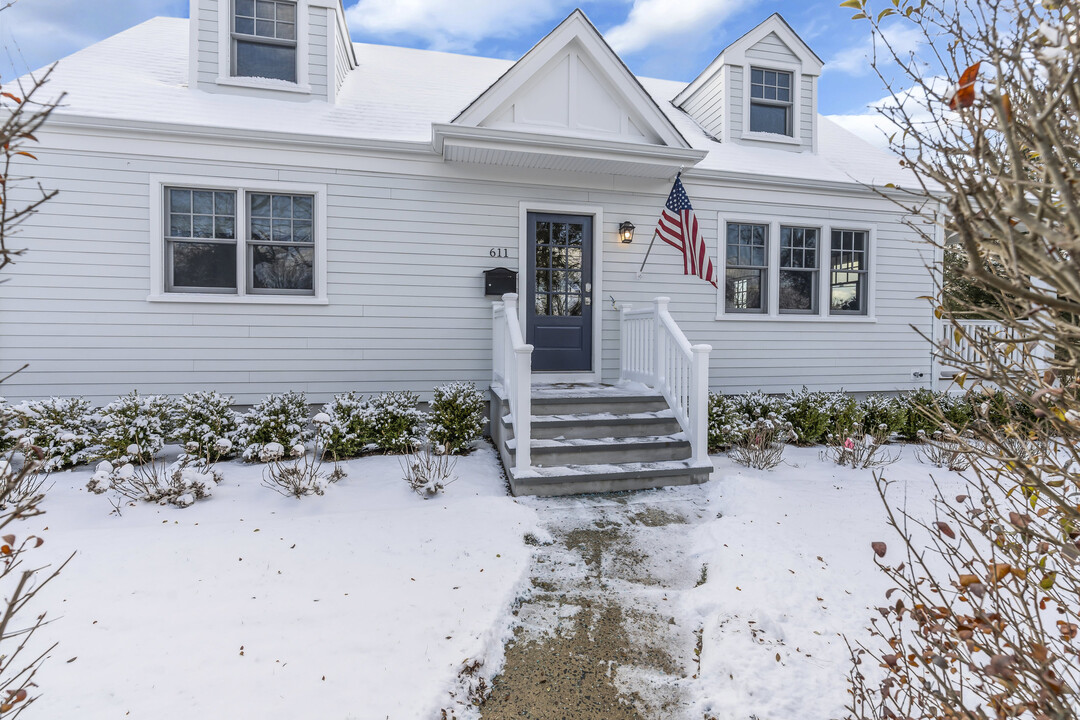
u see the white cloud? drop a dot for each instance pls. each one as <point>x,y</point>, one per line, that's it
<point>651,21</point>
<point>904,40</point>
<point>34,33</point>
<point>924,111</point>
<point>451,24</point>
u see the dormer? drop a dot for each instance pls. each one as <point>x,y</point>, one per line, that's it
<point>568,104</point>
<point>761,90</point>
<point>290,49</point>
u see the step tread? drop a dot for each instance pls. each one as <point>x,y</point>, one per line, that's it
<point>560,473</point>
<point>590,391</point>
<point>662,440</point>
<point>599,417</point>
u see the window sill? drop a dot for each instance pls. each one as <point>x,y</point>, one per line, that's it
<point>237,299</point>
<point>771,137</point>
<point>264,84</point>
<point>796,318</point>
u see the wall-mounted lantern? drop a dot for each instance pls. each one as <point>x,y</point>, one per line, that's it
<point>626,231</point>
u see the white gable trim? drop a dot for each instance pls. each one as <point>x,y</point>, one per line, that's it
<point>735,54</point>
<point>576,27</point>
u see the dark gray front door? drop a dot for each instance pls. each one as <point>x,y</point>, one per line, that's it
<point>559,291</point>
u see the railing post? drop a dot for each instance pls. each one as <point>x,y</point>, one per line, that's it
<point>699,403</point>
<point>624,342</point>
<point>657,332</point>
<point>523,413</point>
<point>497,341</point>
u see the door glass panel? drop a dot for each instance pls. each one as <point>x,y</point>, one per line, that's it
<point>541,303</point>
<point>573,259</point>
<point>543,233</point>
<point>559,269</point>
<point>575,235</point>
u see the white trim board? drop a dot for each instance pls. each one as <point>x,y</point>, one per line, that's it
<point>597,212</point>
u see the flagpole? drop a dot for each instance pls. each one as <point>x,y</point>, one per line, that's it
<point>655,232</point>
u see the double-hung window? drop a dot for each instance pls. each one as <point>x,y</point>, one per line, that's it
<point>848,291</point>
<point>264,39</point>
<point>240,242</point>
<point>746,276</point>
<point>770,101</point>
<point>798,269</point>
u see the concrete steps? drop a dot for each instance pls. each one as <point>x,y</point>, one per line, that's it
<point>596,438</point>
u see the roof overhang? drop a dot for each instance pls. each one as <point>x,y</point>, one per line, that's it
<point>511,148</point>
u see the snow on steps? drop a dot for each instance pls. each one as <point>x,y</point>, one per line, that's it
<point>590,438</point>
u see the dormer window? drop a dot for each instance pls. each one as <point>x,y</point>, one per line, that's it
<point>264,39</point>
<point>770,101</point>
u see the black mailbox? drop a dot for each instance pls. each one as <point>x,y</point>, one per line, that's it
<point>499,281</point>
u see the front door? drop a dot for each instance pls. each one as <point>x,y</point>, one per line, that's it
<point>559,292</point>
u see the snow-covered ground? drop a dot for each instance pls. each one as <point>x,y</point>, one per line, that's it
<point>362,603</point>
<point>365,602</point>
<point>790,570</point>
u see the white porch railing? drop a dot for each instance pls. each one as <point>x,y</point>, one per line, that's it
<point>656,352</point>
<point>512,364</point>
<point>959,350</point>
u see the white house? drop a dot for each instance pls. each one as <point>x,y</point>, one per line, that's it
<point>252,203</point>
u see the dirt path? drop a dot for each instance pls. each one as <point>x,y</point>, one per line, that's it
<point>599,634</point>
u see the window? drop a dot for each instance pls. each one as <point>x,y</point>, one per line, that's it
<point>200,240</point>
<point>239,242</point>
<point>849,264</point>
<point>281,244</point>
<point>770,101</point>
<point>264,39</point>
<point>747,268</point>
<point>798,269</point>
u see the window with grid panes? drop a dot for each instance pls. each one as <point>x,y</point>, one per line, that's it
<point>264,39</point>
<point>770,101</point>
<point>798,269</point>
<point>200,240</point>
<point>848,273</point>
<point>281,244</point>
<point>558,268</point>
<point>746,272</point>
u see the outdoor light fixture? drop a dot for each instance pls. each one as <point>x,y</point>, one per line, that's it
<point>626,231</point>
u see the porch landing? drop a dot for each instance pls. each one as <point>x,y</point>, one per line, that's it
<point>595,438</point>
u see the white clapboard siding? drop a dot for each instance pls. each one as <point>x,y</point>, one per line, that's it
<point>207,39</point>
<point>405,255</point>
<point>318,51</point>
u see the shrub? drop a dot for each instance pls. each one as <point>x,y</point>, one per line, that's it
<point>7,425</point>
<point>809,415</point>
<point>349,427</point>
<point>396,421</point>
<point>207,420</point>
<point>860,449</point>
<point>64,428</point>
<point>134,427</point>
<point>761,446</point>
<point>726,422</point>
<point>883,414</point>
<point>302,474</point>
<point>927,410</point>
<point>456,417</point>
<point>278,419</point>
<point>427,472</point>
<point>757,405</point>
<point>844,412</point>
<point>180,483</point>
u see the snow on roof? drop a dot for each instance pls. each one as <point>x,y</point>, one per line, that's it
<point>395,95</point>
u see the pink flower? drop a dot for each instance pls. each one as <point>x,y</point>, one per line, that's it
<point>849,444</point>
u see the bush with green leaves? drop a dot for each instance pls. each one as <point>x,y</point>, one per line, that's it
<point>134,427</point>
<point>844,412</point>
<point>726,422</point>
<point>205,425</point>
<point>396,421</point>
<point>280,418</point>
<point>7,424</point>
<point>809,415</point>
<point>66,429</point>
<point>456,417</point>
<point>757,405</point>
<point>927,410</point>
<point>348,428</point>
<point>881,414</point>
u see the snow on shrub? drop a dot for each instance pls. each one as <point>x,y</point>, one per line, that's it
<point>726,422</point>
<point>427,471</point>
<point>926,410</point>
<point>206,425</point>
<point>349,427</point>
<point>302,475</point>
<point>180,483</point>
<point>134,427</point>
<point>809,414</point>
<point>456,417</point>
<point>65,429</point>
<point>7,425</point>
<point>844,412</point>
<point>883,414</point>
<point>761,445</point>
<point>860,448</point>
<point>396,421</point>
<point>280,419</point>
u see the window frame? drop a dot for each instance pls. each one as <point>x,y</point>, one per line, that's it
<point>256,39</point>
<point>814,272</point>
<point>824,286</point>
<point>788,105</point>
<point>160,282</point>
<point>863,278</point>
<point>797,101</point>
<point>226,52</point>
<point>170,240</point>
<point>763,270</point>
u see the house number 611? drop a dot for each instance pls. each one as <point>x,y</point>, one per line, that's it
<point>498,253</point>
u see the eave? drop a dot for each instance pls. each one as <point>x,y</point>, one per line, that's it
<point>512,148</point>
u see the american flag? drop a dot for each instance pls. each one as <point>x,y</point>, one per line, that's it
<point>678,227</point>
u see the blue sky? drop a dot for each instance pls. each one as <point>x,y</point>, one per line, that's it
<point>671,39</point>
